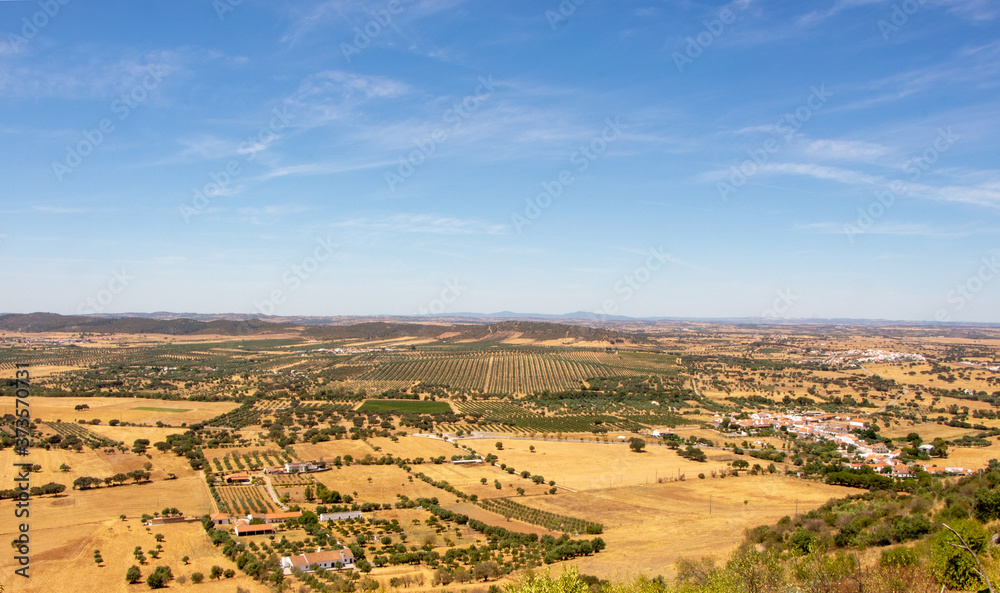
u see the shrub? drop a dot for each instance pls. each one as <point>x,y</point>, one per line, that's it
<point>898,556</point>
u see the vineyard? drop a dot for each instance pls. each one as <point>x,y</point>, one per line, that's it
<point>507,417</point>
<point>244,500</point>
<point>291,480</point>
<point>504,371</point>
<point>254,460</point>
<point>551,521</point>
<point>92,439</point>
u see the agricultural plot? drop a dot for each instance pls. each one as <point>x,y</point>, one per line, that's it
<point>469,479</point>
<point>510,509</point>
<point>92,439</point>
<point>529,424</point>
<point>290,480</point>
<point>656,525</point>
<point>240,461</point>
<point>405,405</point>
<point>244,500</point>
<point>508,371</point>
<point>105,409</point>
<point>593,465</point>
<point>62,558</point>
<point>377,483</point>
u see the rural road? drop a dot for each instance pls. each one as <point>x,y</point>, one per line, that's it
<point>893,402</point>
<point>274,495</point>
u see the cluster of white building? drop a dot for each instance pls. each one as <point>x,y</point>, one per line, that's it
<point>345,350</point>
<point>862,356</point>
<point>823,426</point>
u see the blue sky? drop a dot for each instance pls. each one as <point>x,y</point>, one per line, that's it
<point>835,158</point>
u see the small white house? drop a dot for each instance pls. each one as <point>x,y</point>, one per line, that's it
<point>331,559</point>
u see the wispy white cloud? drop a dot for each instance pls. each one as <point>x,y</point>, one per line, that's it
<point>422,223</point>
<point>847,150</point>
<point>837,174</point>
<point>341,16</point>
<point>819,15</point>
<point>90,75</point>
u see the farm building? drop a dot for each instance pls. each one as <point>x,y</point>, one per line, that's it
<point>300,466</point>
<point>466,461</point>
<point>329,560</point>
<point>220,519</point>
<point>237,479</point>
<point>167,520</point>
<point>244,528</point>
<point>341,516</point>
<point>275,517</point>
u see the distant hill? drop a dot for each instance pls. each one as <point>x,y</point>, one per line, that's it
<point>52,322</point>
<point>529,330</point>
<point>336,329</point>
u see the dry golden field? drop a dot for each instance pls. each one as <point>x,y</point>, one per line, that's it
<point>648,528</point>
<point>376,483</point>
<point>594,466</point>
<point>118,408</point>
<point>62,558</point>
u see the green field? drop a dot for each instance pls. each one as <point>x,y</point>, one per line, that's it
<point>178,410</point>
<point>405,405</point>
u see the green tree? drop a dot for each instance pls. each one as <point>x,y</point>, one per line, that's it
<point>215,573</point>
<point>159,577</point>
<point>637,444</point>
<point>133,574</point>
<point>955,554</point>
<point>197,578</point>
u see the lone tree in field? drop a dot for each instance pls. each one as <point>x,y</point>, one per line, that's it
<point>637,444</point>
<point>133,574</point>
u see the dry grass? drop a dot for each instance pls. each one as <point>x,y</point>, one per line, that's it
<point>62,558</point>
<point>124,409</point>
<point>653,526</point>
<point>594,466</point>
<point>386,481</point>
